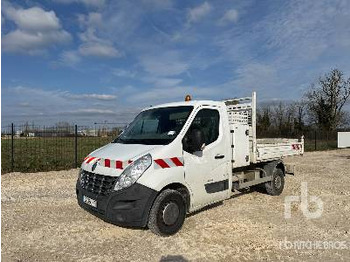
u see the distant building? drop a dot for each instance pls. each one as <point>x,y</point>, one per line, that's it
<point>87,132</point>
<point>18,133</point>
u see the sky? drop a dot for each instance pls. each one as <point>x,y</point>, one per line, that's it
<point>86,61</point>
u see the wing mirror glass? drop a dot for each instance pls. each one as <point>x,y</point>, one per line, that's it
<point>197,140</point>
<point>194,141</point>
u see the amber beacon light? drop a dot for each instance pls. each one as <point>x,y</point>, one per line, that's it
<point>188,98</point>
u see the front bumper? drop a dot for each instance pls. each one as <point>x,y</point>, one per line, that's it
<point>128,207</point>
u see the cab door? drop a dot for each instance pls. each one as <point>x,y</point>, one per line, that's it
<point>207,170</point>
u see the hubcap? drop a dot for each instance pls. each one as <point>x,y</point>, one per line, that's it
<point>278,181</point>
<point>170,213</point>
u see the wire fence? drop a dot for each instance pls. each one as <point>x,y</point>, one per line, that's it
<point>30,148</point>
<point>315,139</point>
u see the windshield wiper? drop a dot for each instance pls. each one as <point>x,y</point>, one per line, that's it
<point>142,141</point>
<point>118,139</point>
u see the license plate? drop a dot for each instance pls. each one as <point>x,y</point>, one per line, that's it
<point>89,201</point>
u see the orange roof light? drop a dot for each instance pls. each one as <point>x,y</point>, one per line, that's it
<point>188,98</point>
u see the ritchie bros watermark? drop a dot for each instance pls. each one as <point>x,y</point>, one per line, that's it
<point>304,201</point>
<point>313,244</point>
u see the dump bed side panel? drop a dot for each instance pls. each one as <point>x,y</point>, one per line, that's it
<point>278,148</point>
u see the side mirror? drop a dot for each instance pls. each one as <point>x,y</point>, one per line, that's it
<point>197,140</point>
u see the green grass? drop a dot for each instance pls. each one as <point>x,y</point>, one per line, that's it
<point>45,154</point>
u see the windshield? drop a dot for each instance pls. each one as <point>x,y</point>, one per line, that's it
<point>158,126</point>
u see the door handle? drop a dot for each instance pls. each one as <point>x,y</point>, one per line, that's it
<point>218,156</point>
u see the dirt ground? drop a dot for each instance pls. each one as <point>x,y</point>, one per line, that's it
<point>41,221</point>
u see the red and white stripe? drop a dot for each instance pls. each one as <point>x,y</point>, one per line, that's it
<point>90,160</point>
<point>168,162</point>
<point>296,146</point>
<point>109,163</point>
<point>120,164</point>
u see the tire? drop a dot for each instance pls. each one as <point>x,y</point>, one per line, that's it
<point>168,213</point>
<point>276,185</point>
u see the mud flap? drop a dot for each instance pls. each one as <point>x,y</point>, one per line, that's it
<point>290,169</point>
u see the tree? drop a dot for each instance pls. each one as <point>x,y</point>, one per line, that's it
<point>263,118</point>
<point>279,112</point>
<point>63,126</point>
<point>326,99</point>
<point>299,123</point>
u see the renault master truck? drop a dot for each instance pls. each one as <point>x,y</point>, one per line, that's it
<point>176,158</point>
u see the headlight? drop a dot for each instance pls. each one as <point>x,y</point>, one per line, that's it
<point>80,176</point>
<point>133,172</point>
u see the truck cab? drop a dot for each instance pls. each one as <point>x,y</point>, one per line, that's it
<point>176,158</point>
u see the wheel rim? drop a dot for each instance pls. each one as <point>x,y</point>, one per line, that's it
<point>171,213</point>
<point>278,181</point>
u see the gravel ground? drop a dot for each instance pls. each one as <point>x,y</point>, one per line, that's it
<point>41,221</point>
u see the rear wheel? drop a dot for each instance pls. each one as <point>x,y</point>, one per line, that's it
<point>168,213</point>
<point>276,185</point>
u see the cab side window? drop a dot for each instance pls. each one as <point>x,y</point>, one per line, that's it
<point>206,120</point>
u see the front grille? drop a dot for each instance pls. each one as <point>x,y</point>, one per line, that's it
<point>97,184</point>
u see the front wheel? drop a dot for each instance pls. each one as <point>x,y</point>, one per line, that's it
<point>276,185</point>
<point>168,213</point>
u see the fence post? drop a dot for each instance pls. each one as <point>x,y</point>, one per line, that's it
<point>12,147</point>
<point>315,140</point>
<point>75,146</point>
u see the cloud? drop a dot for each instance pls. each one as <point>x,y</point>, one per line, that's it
<point>230,16</point>
<point>70,58</point>
<point>168,63</point>
<point>47,107</point>
<point>306,30</point>
<point>162,81</point>
<point>123,73</point>
<point>170,94</point>
<point>24,104</point>
<point>93,111</point>
<point>102,97</point>
<point>33,19</point>
<point>92,3</point>
<point>92,19</point>
<point>297,31</point>
<point>166,48</point>
<point>32,43</point>
<point>91,44</point>
<point>256,75</point>
<point>288,48</point>
<point>197,13</point>
<point>98,49</point>
<point>58,94</point>
<point>36,30</point>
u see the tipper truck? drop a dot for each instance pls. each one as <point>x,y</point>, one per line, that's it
<point>177,158</point>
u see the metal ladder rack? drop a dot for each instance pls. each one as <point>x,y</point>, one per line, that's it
<point>243,111</point>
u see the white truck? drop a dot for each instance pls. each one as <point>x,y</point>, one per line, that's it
<point>176,158</point>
